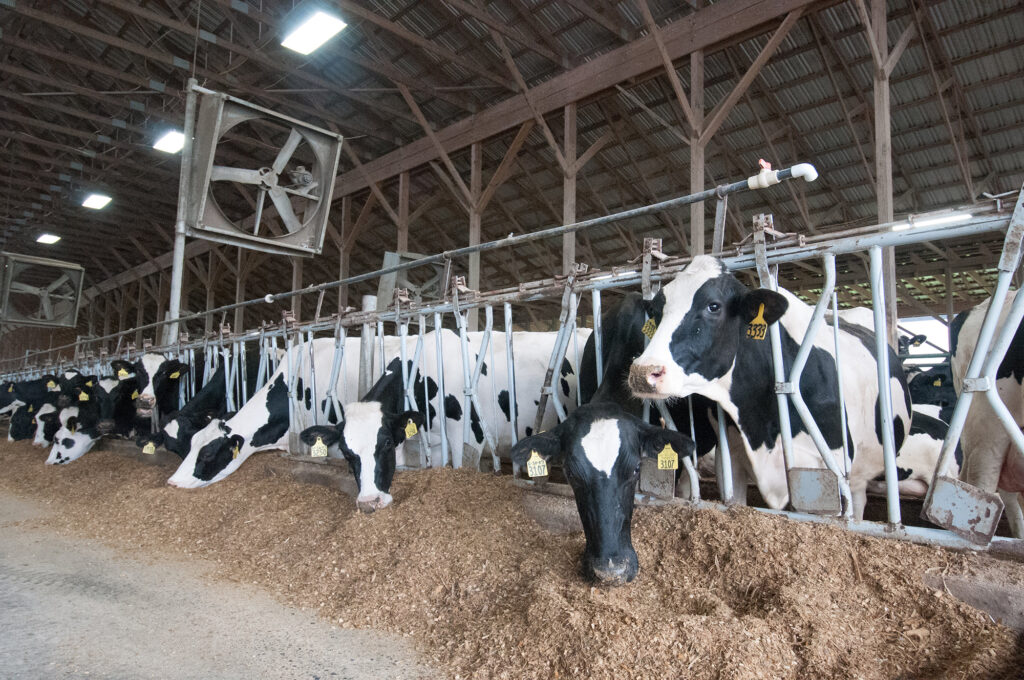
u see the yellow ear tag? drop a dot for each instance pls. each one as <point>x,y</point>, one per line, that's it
<point>50,385</point>
<point>937,383</point>
<point>83,396</point>
<point>88,384</point>
<point>135,395</point>
<point>649,328</point>
<point>319,449</point>
<point>536,466</point>
<point>30,408</point>
<point>234,453</point>
<point>758,327</point>
<point>149,448</point>
<point>122,373</point>
<point>175,375</point>
<point>668,459</point>
<point>11,388</point>
<point>410,429</point>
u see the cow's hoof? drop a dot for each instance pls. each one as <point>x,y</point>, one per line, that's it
<point>371,504</point>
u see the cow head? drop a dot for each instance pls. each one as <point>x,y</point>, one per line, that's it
<point>71,442</point>
<point>176,435</point>
<point>158,383</point>
<point>703,316</point>
<point>68,382</point>
<point>47,424</point>
<point>367,438</point>
<point>600,447</point>
<point>23,423</point>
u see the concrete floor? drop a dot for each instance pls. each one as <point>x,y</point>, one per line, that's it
<point>72,608</point>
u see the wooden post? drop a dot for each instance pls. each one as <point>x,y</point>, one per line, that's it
<point>108,313</point>
<point>240,274</point>
<point>403,212</point>
<point>161,301</point>
<point>697,151</point>
<point>569,188</point>
<point>475,217</point>
<point>210,297</point>
<point>296,284</point>
<point>883,163</point>
<point>139,313</point>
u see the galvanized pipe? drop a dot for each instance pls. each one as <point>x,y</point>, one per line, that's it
<point>892,491</point>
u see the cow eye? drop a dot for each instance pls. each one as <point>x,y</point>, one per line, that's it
<point>713,307</point>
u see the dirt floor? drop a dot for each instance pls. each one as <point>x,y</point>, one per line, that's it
<point>482,590</point>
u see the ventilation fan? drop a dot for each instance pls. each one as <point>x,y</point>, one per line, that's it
<point>40,292</point>
<point>259,179</point>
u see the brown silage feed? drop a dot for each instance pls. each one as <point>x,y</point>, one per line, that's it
<point>483,591</point>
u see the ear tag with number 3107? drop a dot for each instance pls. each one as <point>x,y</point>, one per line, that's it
<point>319,449</point>
<point>668,459</point>
<point>410,429</point>
<point>758,327</point>
<point>536,466</point>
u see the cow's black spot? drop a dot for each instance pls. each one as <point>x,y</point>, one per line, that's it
<point>277,405</point>
<point>483,369</point>
<point>67,443</point>
<point>536,402</point>
<point>474,423</point>
<point>565,386</point>
<point>901,474</point>
<point>504,403</point>
<point>566,368</point>
<point>529,430</point>
<point>452,409</point>
<point>309,399</point>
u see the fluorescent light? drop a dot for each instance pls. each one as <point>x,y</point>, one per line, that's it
<point>915,223</point>
<point>96,201</point>
<point>171,142</point>
<point>313,33</point>
<point>945,219</point>
<point>48,239</point>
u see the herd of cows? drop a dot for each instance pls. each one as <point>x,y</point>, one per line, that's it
<point>701,336</point>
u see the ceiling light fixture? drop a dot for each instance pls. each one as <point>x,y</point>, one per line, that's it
<point>96,201</point>
<point>48,239</point>
<point>313,32</point>
<point>172,141</point>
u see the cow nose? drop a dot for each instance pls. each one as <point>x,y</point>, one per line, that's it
<point>63,401</point>
<point>147,401</point>
<point>105,426</point>
<point>610,572</point>
<point>645,377</point>
<point>370,504</point>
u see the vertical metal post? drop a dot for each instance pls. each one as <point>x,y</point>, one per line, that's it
<point>510,365</point>
<point>892,491</point>
<point>723,462</point>
<point>443,416</point>
<point>595,296</point>
<point>178,258</point>
<point>847,458</point>
<point>366,349</point>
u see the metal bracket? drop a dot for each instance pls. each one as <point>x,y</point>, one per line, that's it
<point>147,343</point>
<point>288,319</point>
<point>965,510</point>
<point>400,296</point>
<point>1010,259</point>
<point>981,384</point>
<point>784,388</point>
<point>815,491</point>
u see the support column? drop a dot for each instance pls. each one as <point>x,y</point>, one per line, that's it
<point>475,218</point>
<point>403,212</point>
<point>240,274</point>
<point>883,163</point>
<point>296,284</point>
<point>161,303</point>
<point>108,313</point>
<point>178,260</point>
<point>343,252</point>
<point>210,299</point>
<point>569,188</point>
<point>139,313</point>
<point>697,151</point>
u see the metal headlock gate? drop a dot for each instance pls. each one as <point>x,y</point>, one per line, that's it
<point>818,494</point>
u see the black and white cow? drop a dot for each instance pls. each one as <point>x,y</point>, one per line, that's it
<point>600,446</point>
<point>919,455</point>
<point>158,380</point>
<point>106,409</point>
<point>370,430</point>
<point>28,397</point>
<point>711,340</point>
<point>934,387</point>
<point>991,460</point>
<point>266,414</point>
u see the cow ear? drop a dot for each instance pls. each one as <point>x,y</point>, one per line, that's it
<point>547,444</point>
<point>405,425</point>
<point>657,438</point>
<point>325,433</point>
<point>775,306</point>
<point>176,369</point>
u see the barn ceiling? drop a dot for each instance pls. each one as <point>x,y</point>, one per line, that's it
<point>86,87</point>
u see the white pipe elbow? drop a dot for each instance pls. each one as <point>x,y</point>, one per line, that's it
<point>805,170</point>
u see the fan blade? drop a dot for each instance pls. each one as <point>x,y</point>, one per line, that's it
<point>285,154</point>
<point>284,210</point>
<point>224,173</point>
<point>19,287</point>
<point>304,192</point>
<point>45,307</point>
<point>58,283</point>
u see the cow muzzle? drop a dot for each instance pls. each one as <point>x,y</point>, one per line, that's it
<point>63,401</point>
<point>105,426</point>
<point>607,571</point>
<point>646,379</point>
<point>146,402</point>
<point>370,504</point>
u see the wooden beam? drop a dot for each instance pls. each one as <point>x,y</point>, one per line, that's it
<point>506,164</point>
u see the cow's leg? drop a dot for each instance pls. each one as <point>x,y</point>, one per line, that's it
<point>1014,515</point>
<point>859,496</point>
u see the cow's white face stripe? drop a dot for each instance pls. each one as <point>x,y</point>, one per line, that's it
<point>171,429</point>
<point>108,384</point>
<point>601,445</point>
<point>151,362</point>
<point>40,439</point>
<point>363,420</point>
